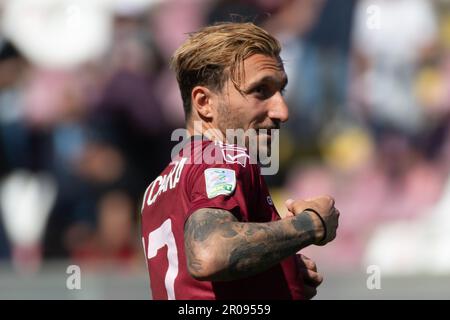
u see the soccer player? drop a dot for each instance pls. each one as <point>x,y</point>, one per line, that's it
<point>209,228</point>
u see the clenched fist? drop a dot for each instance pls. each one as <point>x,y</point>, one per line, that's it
<point>323,213</point>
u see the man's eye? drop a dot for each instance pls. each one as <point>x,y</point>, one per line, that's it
<point>262,91</point>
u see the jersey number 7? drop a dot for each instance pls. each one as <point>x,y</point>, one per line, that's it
<point>157,239</point>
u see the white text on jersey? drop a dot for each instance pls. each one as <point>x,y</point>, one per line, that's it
<point>164,182</point>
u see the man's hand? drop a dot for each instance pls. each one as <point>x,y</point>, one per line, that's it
<point>323,213</point>
<point>311,278</point>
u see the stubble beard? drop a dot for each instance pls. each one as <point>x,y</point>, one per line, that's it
<point>231,120</point>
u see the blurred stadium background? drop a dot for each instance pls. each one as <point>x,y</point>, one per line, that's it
<point>87,107</point>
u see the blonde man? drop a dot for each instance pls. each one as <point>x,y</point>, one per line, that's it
<point>210,229</point>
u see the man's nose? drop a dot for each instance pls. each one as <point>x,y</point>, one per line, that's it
<point>278,108</point>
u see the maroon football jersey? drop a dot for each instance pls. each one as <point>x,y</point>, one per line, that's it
<point>187,185</point>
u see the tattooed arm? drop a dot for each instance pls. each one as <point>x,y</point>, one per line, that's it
<point>219,248</point>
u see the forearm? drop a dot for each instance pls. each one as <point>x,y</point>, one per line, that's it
<point>219,247</point>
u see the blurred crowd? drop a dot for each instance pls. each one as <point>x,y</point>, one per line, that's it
<point>82,136</point>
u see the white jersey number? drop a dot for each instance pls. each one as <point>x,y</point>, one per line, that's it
<point>157,239</point>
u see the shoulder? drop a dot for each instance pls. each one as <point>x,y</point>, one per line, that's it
<point>215,163</point>
<point>232,154</point>
<point>202,154</point>
<point>212,156</point>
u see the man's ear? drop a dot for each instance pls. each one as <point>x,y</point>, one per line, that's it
<point>202,101</point>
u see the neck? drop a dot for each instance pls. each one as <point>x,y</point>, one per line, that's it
<point>206,129</point>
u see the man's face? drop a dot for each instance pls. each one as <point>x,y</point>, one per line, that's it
<point>261,106</point>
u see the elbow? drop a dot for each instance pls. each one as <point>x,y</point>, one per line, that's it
<point>203,265</point>
<point>200,275</point>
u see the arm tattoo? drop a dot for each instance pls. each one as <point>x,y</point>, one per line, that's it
<point>242,249</point>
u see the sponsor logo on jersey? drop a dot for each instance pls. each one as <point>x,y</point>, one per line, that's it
<point>219,181</point>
